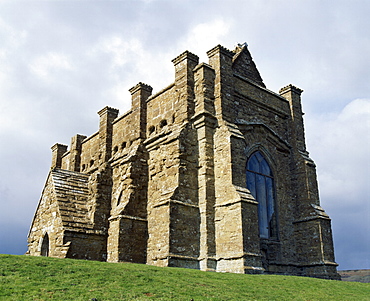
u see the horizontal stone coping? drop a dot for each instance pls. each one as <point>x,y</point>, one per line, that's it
<point>239,256</point>
<point>160,92</point>
<point>122,216</point>
<point>171,255</point>
<point>235,202</point>
<point>122,116</point>
<point>311,218</point>
<point>168,202</point>
<point>90,137</point>
<point>305,265</point>
<point>85,231</point>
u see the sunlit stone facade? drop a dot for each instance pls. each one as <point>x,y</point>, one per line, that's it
<point>210,173</point>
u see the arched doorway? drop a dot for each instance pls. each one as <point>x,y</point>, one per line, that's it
<point>45,245</point>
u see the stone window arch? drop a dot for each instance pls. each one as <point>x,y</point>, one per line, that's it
<point>260,182</point>
<point>45,245</point>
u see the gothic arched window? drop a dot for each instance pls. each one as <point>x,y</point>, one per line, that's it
<point>260,183</point>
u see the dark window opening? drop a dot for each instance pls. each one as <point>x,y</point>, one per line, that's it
<point>163,123</point>
<point>45,246</point>
<point>151,129</point>
<point>260,183</point>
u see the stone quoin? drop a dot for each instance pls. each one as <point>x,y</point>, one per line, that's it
<point>210,173</point>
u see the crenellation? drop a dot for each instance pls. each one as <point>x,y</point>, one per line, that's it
<point>220,49</point>
<point>186,55</point>
<point>58,150</point>
<point>210,173</point>
<point>289,88</point>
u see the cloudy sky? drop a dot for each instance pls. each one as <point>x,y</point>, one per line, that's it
<point>63,61</point>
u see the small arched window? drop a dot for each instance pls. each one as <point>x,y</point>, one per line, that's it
<point>260,182</point>
<point>45,245</point>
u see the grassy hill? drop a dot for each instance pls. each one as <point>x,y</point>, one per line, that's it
<point>42,278</point>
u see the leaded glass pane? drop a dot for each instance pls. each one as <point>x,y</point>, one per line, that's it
<point>270,197</point>
<point>265,168</point>
<point>262,206</point>
<point>251,183</point>
<point>253,164</point>
<point>259,156</point>
<point>271,214</point>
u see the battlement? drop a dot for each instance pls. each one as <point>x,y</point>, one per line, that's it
<point>292,88</point>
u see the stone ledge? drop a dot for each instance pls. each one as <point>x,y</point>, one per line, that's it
<point>238,256</point>
<point>168,202</point>
<point>112,218</point>
<point>311,218</point>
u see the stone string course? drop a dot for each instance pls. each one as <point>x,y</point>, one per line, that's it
<point>165,183</point>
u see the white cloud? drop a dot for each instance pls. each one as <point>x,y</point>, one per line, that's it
<point>130,61</point>
<point>341,143</point>
<point>203,36</point>
<point>11,40</point>
<point>45,66</point>
<point>10,37</point>
<point>119,50</point>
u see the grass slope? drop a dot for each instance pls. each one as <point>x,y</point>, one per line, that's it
<point>42,278</point>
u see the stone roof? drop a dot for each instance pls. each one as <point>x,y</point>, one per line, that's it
<point>72,194</point>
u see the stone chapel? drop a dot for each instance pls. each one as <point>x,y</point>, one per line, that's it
<point>210,173</point>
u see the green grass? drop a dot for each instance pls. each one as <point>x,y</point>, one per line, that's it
<point>42,278</point>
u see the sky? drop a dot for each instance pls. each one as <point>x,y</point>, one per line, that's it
<point>63,61</point>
